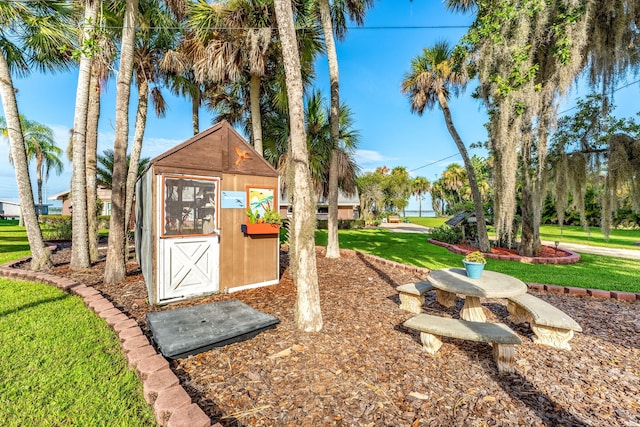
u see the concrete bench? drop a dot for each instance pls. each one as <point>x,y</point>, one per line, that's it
<point>412,295</point>
<point>552,326</point>
<point>499,335</point>
<point>393,218</point>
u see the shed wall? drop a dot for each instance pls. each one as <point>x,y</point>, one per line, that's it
<point>246,260</point>
<point>145,235</point>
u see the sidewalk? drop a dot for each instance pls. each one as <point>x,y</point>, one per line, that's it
<point>597,250</point>
<point>574,247</point>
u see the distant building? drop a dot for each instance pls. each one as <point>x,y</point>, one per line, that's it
<point>104,194</point>
<point>9,209</point>
<point>348,206</point>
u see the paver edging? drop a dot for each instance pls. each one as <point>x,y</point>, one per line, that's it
<point>572,257</point>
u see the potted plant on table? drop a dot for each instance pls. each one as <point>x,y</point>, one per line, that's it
<point>474,264</point>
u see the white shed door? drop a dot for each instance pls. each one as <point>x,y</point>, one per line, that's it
<point>189,244</point>
<point>191,267</point>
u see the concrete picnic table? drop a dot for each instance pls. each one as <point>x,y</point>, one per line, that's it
<point>450,282</point>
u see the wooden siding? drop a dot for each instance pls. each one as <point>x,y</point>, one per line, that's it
<point>245,260</point>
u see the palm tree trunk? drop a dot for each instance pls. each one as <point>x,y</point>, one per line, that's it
<point>80,229</point>
<point>483,237</point>
<point>256,118</point>
<point>41,257</point>
<point>303,253</point>
<point>93,117</point>
<point>195,113</point>
<point>115,266</point>
<point>333,244</point>
<point>136,149</point>
<point>39,184</point>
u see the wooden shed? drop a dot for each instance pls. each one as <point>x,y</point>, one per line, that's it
<point>191,205</point>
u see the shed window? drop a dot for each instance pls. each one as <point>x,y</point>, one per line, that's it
<point>190,206</point>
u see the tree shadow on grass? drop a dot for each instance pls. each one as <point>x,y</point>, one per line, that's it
<point>33,304</point>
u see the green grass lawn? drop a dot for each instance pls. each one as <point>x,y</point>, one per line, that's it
<point>60,364</point>
<point>428,222</point>
<point>593,271</point>
<point>625,239</point>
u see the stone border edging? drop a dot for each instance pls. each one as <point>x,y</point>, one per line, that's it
<point>171,404</point>
<point>552,289</point>
<point>571,259</point>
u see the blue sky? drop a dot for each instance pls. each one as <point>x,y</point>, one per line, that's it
<point>372,63</point>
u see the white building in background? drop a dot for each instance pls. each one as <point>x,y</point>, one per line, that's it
<point>9,209</point>
<point>348,206</point>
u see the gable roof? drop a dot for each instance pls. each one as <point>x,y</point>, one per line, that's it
<point>217,149</point>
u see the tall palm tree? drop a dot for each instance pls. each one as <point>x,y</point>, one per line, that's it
<point>155,37</point>
<point>319,145</point>
<point>434,76</point>
<point>42,147</point>
<point>237,36</point>
<point>454,178</point>
<point>115,265</point>
<point>303,257</point>
<point>356,10</point>
<point>419,187</point>
<point>30,35</point>
<point>80,255</point>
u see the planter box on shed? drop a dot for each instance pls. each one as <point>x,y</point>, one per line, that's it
<point>191,204</point>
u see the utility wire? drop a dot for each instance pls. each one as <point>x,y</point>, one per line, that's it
<point>613,91</point>
<point>433,163</point>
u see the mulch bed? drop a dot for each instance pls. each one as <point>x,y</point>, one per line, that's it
<point>543,251</point>
<point>365,369</point>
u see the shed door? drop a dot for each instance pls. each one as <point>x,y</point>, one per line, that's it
<point>189,244</point>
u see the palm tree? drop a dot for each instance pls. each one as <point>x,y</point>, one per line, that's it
<point>80,255</point>
<point>434,75</point>
<point>236,36</point>
<point>318,131</point>
<point>356,11</point>
<point>303,257</point>
<point>42,147</point>
<point>104,172</point>
<point>438,197</point>
<point>154,38</point>
<point>115,265</point>
<point>30,35</point>
<point>454,179</point>
<point>419,187</point>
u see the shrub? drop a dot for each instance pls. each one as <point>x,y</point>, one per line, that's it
<point>446,234</point>
<point>343,224</point>
<point>56,227</point>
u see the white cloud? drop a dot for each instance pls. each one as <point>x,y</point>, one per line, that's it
<point>369,156</point>
<point>153,147</point>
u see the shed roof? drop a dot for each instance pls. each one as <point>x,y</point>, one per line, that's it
<point>219,149</point>
<point>459,218</point>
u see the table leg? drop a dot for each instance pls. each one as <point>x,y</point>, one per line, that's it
<point>472,310</point>
<point>446,299</point>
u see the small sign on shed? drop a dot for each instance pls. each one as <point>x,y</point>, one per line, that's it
<point>191,204</point>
